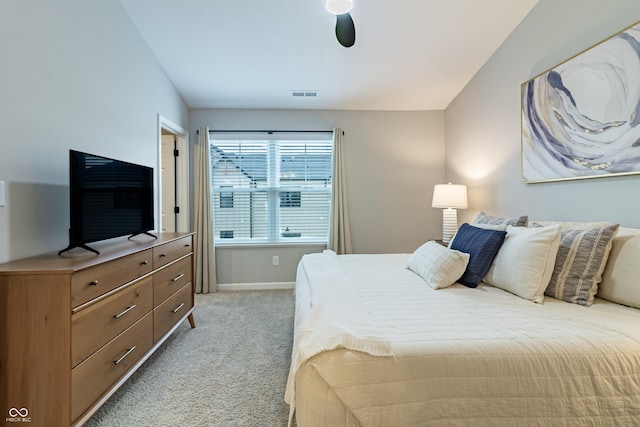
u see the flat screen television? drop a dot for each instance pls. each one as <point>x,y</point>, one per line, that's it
<point>109,198</point>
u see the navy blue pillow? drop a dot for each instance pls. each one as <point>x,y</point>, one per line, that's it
<point>482,246</point>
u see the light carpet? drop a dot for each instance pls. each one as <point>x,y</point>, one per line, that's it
<point>231,370</point>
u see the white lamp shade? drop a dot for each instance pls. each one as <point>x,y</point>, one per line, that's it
<point>449,196</point>
<point>339,7</point>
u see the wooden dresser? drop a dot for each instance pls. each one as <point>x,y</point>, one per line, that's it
<point>73,328</point>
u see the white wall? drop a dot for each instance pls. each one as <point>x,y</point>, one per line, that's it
<point>483,122</point>
<point>75,74</point>
<point>393,159</point>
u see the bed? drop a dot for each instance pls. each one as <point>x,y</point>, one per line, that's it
<point>374,346</point>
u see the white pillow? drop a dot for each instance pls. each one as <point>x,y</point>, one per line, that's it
<point>525,261</point>
<point>620,278</point>
<point>438,265</point>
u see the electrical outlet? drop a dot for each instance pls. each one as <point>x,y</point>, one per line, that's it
<point>276,260</point>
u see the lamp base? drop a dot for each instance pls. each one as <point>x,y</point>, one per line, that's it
<point>449,224</point>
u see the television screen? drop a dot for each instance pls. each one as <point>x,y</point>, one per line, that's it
<point>109,198</point>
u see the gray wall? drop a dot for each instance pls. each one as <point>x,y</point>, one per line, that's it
<point>75,74</point>
<point>393,159</point>
<point>483,122</point>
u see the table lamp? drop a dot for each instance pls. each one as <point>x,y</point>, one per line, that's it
<point>450,197</point>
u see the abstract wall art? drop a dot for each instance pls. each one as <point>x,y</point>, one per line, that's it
<point>581,119</point>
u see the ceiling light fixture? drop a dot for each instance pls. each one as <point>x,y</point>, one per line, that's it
<point>339,7</point>
<point>345,28</point>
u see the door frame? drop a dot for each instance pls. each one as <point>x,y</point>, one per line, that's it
<point>182,172</point>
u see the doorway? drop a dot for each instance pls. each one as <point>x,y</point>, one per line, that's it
<point>173,197</point>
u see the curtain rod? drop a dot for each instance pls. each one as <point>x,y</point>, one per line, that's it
<point>269,131</point>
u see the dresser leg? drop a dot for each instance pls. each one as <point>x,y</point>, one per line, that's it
<point>192,321</point>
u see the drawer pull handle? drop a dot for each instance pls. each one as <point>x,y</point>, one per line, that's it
<point>124,355</point>
<point>145,262</point>
<point>94,283</point>
<point>175,310</point>
<point>187,245</point>
<point>163,255</point>
<point>178,277</point>
<point>126,310</point>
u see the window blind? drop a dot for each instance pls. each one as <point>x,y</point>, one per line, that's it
<point>271,191</point>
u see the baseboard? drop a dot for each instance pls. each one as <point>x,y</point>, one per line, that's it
<point>255,286</point>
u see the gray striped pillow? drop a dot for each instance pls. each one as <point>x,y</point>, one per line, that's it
<point>579,264</point>
<point>485,218</point>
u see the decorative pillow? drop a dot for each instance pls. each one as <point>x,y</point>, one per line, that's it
<point>571,225</point>
<point>516,221</point>
<point>620,277</point>
<point>481,245</point>
<point>581,259</point>
<point>501,227</point>
<point>525,261</point>
<point>437,265</point>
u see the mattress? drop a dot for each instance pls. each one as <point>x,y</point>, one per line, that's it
<point>375,346</point>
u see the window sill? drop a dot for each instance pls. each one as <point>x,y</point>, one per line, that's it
<point>239,245</point>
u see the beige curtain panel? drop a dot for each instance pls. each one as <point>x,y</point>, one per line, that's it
<point>339,234</point>
<point>205,261</point>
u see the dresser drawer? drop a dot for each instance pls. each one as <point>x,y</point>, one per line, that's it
<point>92,282</point>
<point>94,376</point>
<point>99,323</point>
<point>171,279</point>
<point>167,314</point>
<point>171,251</point>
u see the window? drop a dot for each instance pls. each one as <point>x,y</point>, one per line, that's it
<point>271,190</point>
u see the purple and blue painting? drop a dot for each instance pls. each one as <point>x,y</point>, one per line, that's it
<point>581,118</point>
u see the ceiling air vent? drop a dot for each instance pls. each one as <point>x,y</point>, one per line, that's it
<point>304,93</point>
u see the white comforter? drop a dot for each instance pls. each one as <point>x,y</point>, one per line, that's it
<point>405,354</point>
